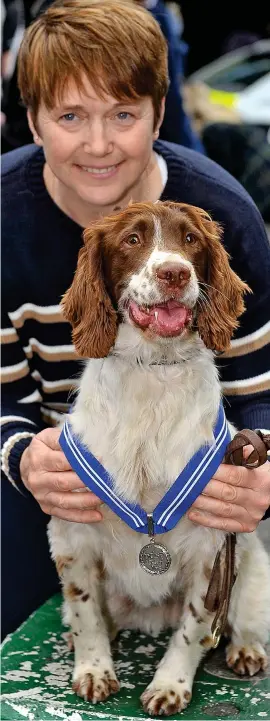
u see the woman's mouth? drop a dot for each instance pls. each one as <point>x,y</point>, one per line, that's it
<point>104,171</point>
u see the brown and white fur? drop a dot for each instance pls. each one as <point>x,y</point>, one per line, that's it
<point>146,403</point>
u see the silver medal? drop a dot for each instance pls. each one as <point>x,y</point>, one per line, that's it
<point>154,558</point>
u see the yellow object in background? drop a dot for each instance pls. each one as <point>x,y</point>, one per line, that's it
<point>221,97</point>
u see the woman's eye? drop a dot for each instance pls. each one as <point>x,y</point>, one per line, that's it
<point>68,116</point>
<point>133,240</point>
<point>190,238</point>
<point>124,116</point>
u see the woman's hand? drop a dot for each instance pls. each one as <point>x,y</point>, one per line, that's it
<point>47,474</point>
<point>235,500</point>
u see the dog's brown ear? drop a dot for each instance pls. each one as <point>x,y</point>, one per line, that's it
<point>87,305</point>
<point>224,292</point>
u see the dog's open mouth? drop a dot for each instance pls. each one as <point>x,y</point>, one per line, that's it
<point>165,319</point>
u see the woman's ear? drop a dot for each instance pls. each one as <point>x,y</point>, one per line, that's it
<point>160,119</point>
<point>36,138</point>
<point>87,305</point>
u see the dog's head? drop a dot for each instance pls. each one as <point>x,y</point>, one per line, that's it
<point>160,267</point>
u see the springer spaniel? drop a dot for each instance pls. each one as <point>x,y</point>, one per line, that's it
<point>153,296</point>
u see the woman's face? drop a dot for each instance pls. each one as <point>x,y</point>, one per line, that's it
<point>97,150</point>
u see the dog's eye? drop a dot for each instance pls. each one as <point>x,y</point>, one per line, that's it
<point>133,239</point>
<point>190,238</point>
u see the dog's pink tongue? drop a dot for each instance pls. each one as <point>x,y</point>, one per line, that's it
<point>168,320</point>
<point>165,320</point>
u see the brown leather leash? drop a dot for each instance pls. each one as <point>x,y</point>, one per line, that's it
<point>220,585</point>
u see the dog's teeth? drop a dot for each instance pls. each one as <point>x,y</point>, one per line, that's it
<point>156,314</point>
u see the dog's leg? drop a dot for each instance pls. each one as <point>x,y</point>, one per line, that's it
<point>94,677</point>
<point>171,688</point>
<point>249,613</point>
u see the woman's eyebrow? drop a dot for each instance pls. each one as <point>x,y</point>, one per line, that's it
<point>69,106</point>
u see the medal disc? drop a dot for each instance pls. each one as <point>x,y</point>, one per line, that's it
<point>155,558</point>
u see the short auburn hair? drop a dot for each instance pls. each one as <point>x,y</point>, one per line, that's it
<point>116,44</point>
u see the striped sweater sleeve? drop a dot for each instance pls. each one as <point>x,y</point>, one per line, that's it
<point>21,417</point>
<point>245,367</point>
<point>246,378</point>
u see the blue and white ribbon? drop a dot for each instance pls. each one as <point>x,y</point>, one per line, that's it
<point>178,499</point>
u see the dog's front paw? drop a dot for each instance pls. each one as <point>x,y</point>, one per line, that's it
<point>165,699</point>
<point>246,659</point>
<point>95,684</point>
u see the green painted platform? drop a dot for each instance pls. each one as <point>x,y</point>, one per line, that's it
<point>36,678</point>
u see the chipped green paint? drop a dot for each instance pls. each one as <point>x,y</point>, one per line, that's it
<point>37,666</point>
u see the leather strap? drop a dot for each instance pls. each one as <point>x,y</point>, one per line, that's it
<point>220,585</point>
<point>258,456</point>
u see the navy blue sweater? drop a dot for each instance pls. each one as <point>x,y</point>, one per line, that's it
<point>40,246</point>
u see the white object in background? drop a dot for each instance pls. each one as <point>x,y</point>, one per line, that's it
<point>253,103</point>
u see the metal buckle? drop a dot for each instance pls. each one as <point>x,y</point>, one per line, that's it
<point>216,636</point>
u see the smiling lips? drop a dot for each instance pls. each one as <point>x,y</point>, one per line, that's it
<point>99,171</point>
<point>165,319</point>
<point>104,172</point>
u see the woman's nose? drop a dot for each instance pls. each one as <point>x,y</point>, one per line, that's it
<point>97,141</point>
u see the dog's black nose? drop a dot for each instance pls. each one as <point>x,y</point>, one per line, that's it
<point>173,274</point>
